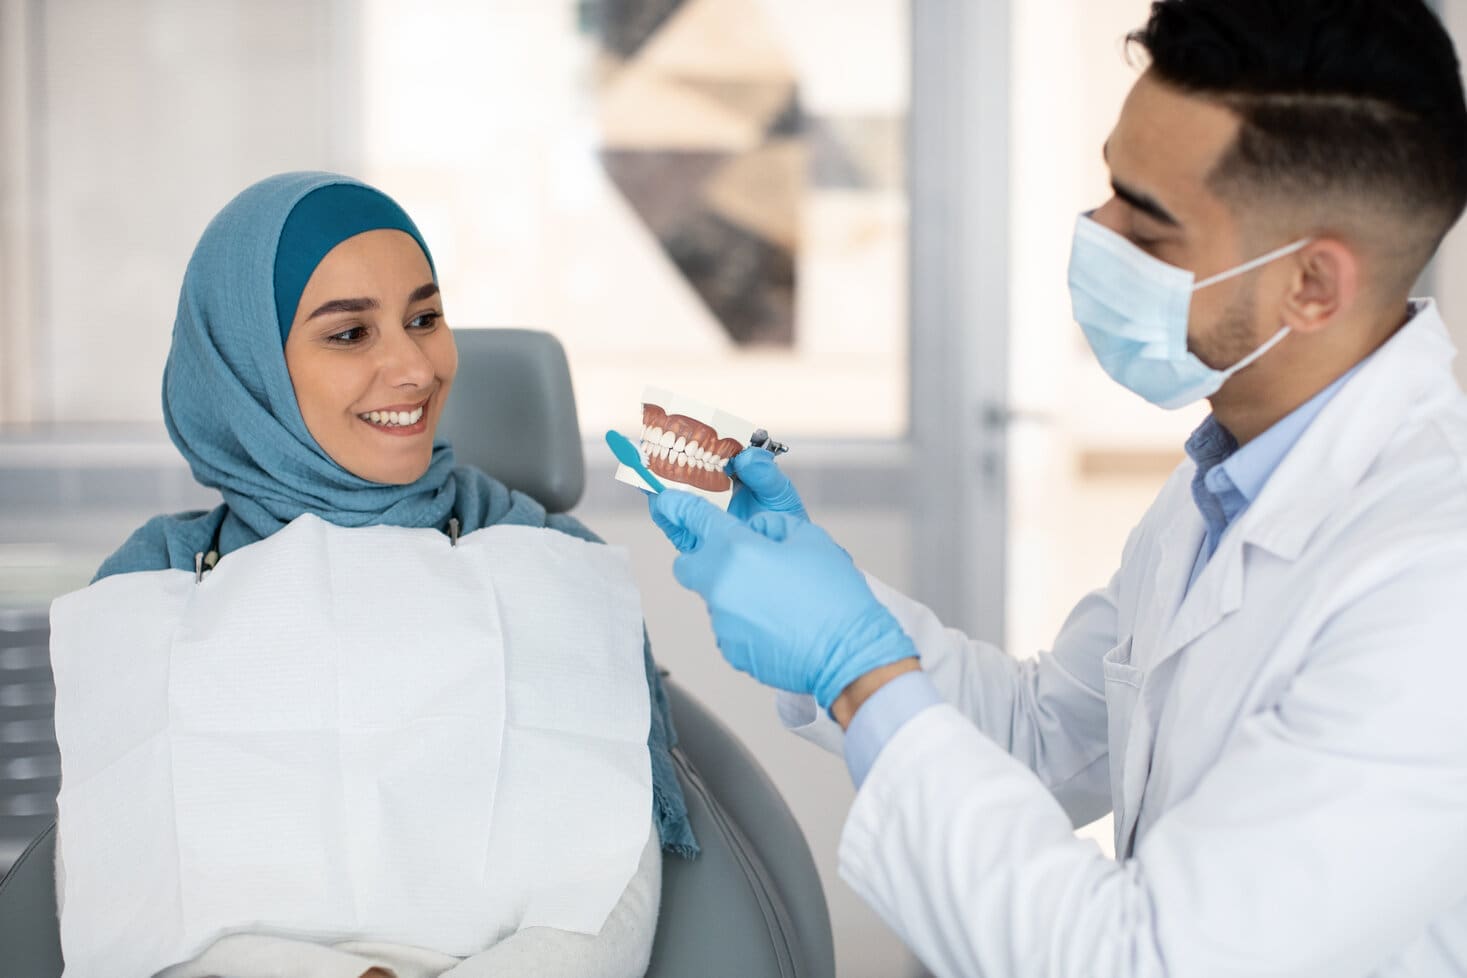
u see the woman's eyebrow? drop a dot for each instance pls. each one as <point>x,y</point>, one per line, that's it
<point>362,305</point>
<point>344,305</point>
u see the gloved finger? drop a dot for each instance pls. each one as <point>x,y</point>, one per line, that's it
<point>698,570</point>
<point>680,538</point>
<point>674,510</point>
<point>755,468</point>
<point>775,526</point>
<point>749,456</point>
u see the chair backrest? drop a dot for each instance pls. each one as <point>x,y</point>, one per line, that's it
<point>751,905</point>
<point>754,877</point>
<point>512,413</point>
<point>30,765</point>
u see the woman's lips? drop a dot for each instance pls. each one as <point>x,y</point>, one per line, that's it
<point>398,430</point>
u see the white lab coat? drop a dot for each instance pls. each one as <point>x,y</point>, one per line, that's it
<point>1284,745</point>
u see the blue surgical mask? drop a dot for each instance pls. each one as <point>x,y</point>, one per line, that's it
<point>1134,309</point>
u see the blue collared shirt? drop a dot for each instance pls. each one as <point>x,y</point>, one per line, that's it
<point>1228,479</point>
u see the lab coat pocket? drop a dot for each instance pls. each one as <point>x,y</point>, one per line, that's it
<point>1122,694</point>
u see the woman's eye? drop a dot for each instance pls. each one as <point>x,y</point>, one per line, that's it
<point>348,336</point>
<point>425,321</point>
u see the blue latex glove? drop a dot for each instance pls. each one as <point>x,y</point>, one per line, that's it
<point>788,605</point>
<point>761,488</point>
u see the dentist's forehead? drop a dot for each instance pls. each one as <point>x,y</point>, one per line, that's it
<point>1166,143</point>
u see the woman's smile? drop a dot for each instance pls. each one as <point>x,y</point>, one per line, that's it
<point>398,420</point>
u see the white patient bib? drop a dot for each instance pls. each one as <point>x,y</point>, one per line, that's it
<point>350,733</point>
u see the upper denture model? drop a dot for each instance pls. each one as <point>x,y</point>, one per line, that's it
<point>684,450</point>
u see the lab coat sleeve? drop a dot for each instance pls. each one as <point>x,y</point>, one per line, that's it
<point>1326,836</point>
<point>1048,712</point>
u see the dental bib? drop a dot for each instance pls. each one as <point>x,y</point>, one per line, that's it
<point>346,734</point>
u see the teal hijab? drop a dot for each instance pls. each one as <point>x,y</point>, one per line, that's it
<point>230,408</point>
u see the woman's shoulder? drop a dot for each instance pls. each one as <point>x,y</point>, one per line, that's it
<point>485,501</point>
<point>568,524</point>
<point>167,541</point>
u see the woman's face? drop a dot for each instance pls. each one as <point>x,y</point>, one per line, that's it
<point>371,358</point>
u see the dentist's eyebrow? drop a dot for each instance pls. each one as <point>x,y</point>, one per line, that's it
<point>1144,203</point>
<point>344,305</point>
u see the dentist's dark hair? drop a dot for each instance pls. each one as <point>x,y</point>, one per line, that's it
<point>1339,100</point>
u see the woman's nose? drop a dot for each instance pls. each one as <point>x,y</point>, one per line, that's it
<point>403,363</point>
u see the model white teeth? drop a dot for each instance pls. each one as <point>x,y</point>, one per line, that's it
<point>393,419</point>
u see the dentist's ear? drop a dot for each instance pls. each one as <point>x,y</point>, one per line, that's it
<point>1325,282</point>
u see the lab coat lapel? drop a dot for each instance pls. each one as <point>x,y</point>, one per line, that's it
<point>1312,481</point>
<point>1317,474</point>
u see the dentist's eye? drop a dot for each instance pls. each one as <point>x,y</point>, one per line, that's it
<point>426,321</point>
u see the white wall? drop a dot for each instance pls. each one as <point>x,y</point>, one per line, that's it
<point>135,93</point>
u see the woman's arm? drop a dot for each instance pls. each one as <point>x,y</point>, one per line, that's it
<point>622,949</point>
<point>259,956</point>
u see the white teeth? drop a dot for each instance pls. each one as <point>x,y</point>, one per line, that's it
<point>668,439</point>
<point>655,435</point>
<point>396,419</point>
<point>681,460</point>
<point>694,450</point>
<point>662,452</point>
<point>680,444</point>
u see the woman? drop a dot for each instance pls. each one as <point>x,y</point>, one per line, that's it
<point>309,367</point>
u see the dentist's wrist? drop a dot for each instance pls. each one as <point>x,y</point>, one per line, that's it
<point>872,638</point>
<point>854,696</point>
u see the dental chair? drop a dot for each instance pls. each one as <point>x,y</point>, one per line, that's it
<point>751,904</point>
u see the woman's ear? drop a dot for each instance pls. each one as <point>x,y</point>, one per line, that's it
<point>1325,282</point>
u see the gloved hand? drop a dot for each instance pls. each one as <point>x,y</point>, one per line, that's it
<point>788,605</point>
<point>762,487</point>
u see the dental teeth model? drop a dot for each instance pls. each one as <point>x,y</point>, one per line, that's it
<point>680,449</point>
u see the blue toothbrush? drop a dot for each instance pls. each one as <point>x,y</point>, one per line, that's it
<point>626,453</point>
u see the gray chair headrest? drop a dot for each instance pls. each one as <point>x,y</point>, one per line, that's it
<point>512,413</point>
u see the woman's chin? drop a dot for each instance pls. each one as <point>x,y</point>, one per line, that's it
<point>396,472</point>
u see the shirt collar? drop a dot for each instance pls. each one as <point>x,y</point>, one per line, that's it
<point>1250,466</point>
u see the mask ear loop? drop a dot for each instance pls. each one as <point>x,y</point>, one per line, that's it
<point>1274,341</point>
<point>1259,262</point>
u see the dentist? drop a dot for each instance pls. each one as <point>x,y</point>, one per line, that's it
<point>1268,693</point>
